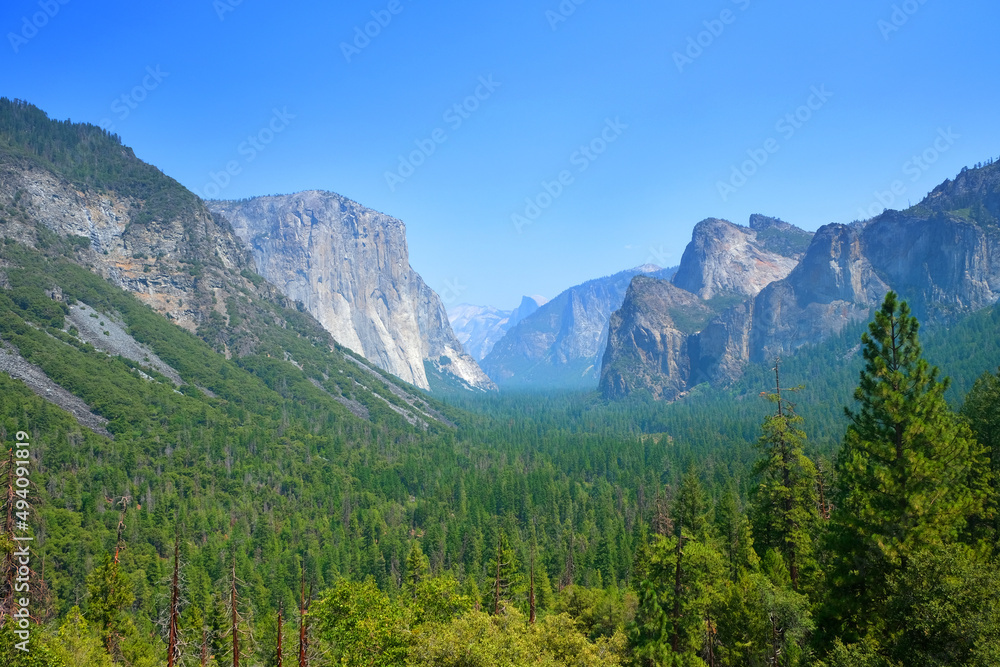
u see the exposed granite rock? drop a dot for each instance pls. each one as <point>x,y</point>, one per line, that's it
<point>183,266</point>
<point>349,266</point>
<point>834,285</point>
<point>14,365</point>
<point>109,335</point>
<point>942,256</point>
<point>724,259</point>
<point>647,348</point>
<point>704,331</point>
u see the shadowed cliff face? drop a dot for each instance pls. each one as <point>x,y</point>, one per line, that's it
<point>668,336</point>
<point>943,256</point>
<point>561,344</point>
<point>647,346</point>
<point>350,268</point>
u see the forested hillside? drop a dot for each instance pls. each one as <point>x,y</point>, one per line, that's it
<point>250,462</point>
<point>245,492</point>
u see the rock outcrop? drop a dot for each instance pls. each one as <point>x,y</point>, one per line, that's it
<point>170,251</point>
<point>648,346</point>
<point>942,256</point>
<point>349,266</point>
<point>562,343</point>
<point>724,259</point>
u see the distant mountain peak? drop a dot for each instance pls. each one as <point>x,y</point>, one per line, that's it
<point>647,268</point>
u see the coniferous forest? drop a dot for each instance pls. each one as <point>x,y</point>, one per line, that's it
<point>838,507</point>
<point>850,520</point>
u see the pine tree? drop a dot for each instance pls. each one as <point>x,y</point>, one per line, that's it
<point>681,579</point>
<point>505,575</point>
<point>416,569</point>
<point>733,529</point>
<point>110,599</point>
<point>982,410</point>
<point>787,509</point>
<point>173,635</point>
<point>905,472</point>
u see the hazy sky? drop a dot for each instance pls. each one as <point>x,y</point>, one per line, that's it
<point>609,128</point>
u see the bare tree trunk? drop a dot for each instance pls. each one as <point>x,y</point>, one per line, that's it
<point>121,526</point>
<point>279,636</point>
<point>174,601</point>
<point>303,635</point>
<point>236,619</point>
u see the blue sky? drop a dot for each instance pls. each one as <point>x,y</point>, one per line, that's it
<point>608,128</point>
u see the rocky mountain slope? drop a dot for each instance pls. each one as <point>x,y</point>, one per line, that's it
<point>349,266</point>
<point>725,260</point>
<point>654,340</point>
<point>942,255</point>
<point>134,226</point>
<point>560,345</point>
<point>650,333</point>
<point>479,328</point>
<point>75,193</point>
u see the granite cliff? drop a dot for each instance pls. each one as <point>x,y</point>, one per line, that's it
<point>659,339</point>
<point>943,256</point>
<point>724,259</point>
<point>349,266</point>
<point>479,328</point>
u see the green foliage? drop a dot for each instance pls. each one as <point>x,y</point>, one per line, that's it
<point>416,569</point>
<point>787,242</point>
<point>91,158</point>
<point>439,600</point>
<point>942,609</point>
<point>909,473</point>
<point>34,305</point>
<point>597,613</point>
<point>361,623</point>
<point>507,580</point>
<point>761,621</point>
<point>676,599</point>
<point>111,596</point>
<point>43,651</point>
<point>982,410</point>
<point>79,643</point>
<point>479,639</point>
<point>786,507</point>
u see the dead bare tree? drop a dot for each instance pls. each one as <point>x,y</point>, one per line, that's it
<point>173,652</point>
<point>234,606</point>
<point>303,628</point>
<point>280,610</point>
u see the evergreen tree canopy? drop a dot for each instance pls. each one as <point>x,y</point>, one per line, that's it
<point>786,509</point>
<point>906,471</point>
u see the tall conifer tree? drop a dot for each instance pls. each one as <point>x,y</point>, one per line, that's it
<point>787,509</point>
<point>905,472</point>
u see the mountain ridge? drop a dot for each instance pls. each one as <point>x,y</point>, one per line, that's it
<point>945,261</point>
<point>560,345</point>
